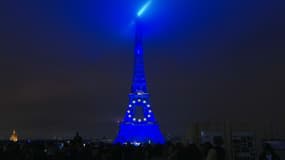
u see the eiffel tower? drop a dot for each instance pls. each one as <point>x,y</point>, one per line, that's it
<point>139,124</point>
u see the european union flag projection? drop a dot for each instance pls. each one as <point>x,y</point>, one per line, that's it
<point>139,124</point>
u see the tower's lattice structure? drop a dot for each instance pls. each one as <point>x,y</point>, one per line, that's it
<point>139,124</point>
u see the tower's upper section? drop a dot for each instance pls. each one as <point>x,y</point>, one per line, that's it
<point>139,82</point>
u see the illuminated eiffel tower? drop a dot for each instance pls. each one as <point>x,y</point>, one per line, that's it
<point>139,124</point>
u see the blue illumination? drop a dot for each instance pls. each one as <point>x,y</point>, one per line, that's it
<point>140,133</point>
<point>143,9</point>
<point>144,128</point>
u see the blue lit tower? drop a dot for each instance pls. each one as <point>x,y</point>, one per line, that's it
<point>139,124</point>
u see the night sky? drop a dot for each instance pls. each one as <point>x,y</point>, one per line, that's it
<point>66,66</point>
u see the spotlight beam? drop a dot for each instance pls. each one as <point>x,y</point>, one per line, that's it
<point>144,8</point>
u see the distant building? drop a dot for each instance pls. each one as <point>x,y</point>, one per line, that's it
<point>14,137</point>
<point>241,140</point>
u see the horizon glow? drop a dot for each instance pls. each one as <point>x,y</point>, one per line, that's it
<point>143,9</point>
